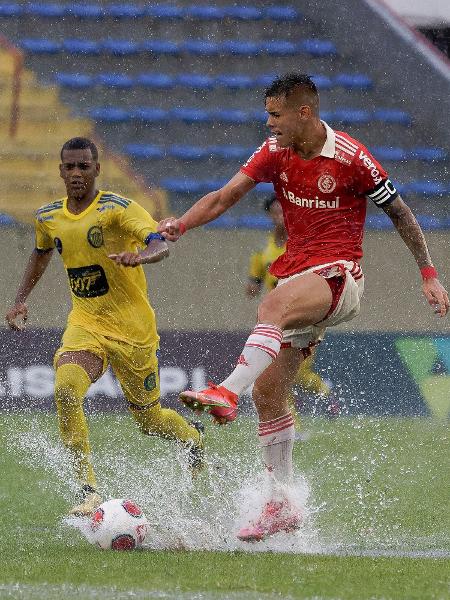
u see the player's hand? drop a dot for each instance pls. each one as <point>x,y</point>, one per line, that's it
<point>126,259</point>
<point>17,316</point>
<point>436,295</point>
<point>170,229</point>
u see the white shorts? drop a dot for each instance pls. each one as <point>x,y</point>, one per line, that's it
<point>345,304</point>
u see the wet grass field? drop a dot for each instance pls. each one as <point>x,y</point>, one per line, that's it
<point>376,526</point>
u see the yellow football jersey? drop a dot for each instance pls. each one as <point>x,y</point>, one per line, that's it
<point>107,298</point>
<point>261,261</point>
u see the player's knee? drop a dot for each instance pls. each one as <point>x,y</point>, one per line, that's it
<point>270,311</point>
<point>71,384</point>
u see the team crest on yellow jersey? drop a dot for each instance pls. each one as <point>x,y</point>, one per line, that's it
<point>95,236</point>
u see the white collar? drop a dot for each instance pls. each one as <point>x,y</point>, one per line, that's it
<point>329,148</point>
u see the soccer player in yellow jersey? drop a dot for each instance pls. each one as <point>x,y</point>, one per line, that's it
<point>259,277</point>
<point>103,240</point>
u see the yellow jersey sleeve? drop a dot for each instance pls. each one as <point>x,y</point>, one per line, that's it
<point>137,222</point>
<point>256,267</point>
<point>43,241</point>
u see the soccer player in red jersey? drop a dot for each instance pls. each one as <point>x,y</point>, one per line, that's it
<point>323,179</point>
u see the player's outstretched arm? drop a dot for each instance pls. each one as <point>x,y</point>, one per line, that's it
<point>156,250</point>
<point>411,233</point>
<point>208,208</point>
<point>17,315</point>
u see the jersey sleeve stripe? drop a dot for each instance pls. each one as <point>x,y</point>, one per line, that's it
<point>346,142</point>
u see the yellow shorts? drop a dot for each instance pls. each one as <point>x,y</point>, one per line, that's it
<point>136,368</point>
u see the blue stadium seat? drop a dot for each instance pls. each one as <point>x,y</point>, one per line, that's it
<point>265,80</point>
<point>120,47</point>
<point>387,153</point>
<point>149,114</point>
<point>144,151</point>
<point>255,222</point>
<point>282,13</point>
<point>109,114</point>
<point>317,47</point>
<point>160,47</point>
<point>258,115</point>
<point>226,115</point>
<point>237,82</point>
<point>264,188</point>
<point>124,11</point>
<point>223,222</point>
<point>190,115</point>
<point>354,81</point>
<point>350,116</point>
<point>180,185</point>
<point>392,115</point>
<point>279,47</point>
<point>39,46</point>
<point>85,47</point>
<point>74,80</point>
<point>195,81</point>
<point>241,48</point>
<point>429,222</point>
<point>209,185</point>
<point>205,12</point>
<point>379,221</point>
<point>230,152</point>
<point>322,82</point>
<point>184,152</point>
<point>427,188</point>
<point>428,154</point>
<point>155,80</point>
<point>164,11</point>
<point>85,11</point>
<point>11,9</point>
<point>201,47</point>
<point>243,13</point>
<point>43,9</point>
<point>115,80</point>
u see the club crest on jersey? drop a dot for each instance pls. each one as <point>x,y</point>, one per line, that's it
<point>95,236</point>
<point>326,183</point>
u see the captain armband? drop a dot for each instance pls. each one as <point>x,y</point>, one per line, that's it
<point>383,194</point>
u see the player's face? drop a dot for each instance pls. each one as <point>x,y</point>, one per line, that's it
<point>285,120</point>
<point>79,170</point>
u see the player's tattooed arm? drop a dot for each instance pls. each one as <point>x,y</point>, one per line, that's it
<point>411,233</point>
<point>17,315</point>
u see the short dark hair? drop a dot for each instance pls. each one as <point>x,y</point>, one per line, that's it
<point>269,201</point>
<point>287,84</point>
<point>80,143</point>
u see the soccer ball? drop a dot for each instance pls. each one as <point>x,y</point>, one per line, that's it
<point>118,524</point>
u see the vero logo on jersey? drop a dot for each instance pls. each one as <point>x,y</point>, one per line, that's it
<point>367,162</point>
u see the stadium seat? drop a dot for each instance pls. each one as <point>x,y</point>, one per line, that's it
<point>143,151</point>
<point>183,152</point>
<point>7,220</point>
<point>238,82</point>
<point>148,114</point>
<point>85,11</point>
<point>190,115</point>
<point>74,80</point>
<point>160,47</point>
<point>195,81</point>
<point>120,47</point>
<point>354,81</point>
<point>226,115</point>
<point>279,47</point>
<point>109,114</point>
<point>254,222</point>
<point>322,82</point>
<point>49,10</point>
<point>79,46</point>
<point>180,185</point>
<point>124,11</point>
<point>11,9</point>
<point>155,80</point>
<point>379,221</point>
<point>114,80</point>
<point>200,47</point>
<point>164,11</point>
<point>318,48</point>
<point>241,48</point>
<point>265,80</point>
<point>258,115</point>
<point>392,115</point>
<point>39,46</point>
<point>243,13</point>
<point>264,188</point>
<point>230,152</point>
<point>204,12</point>
<point>282,13</point>
<point>428,154</point>
<point>387,153</point>
<point>427,188</point>
<point>223,222</point>
<point>429,222</point>
<point>350,116</point>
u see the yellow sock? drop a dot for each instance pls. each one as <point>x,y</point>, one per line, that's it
<point>71,384</point>
<point>309,380</point>
<point>164,422</point>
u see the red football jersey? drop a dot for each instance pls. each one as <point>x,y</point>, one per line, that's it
<point>324,199</point>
